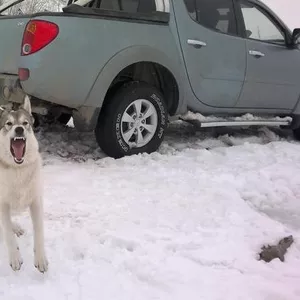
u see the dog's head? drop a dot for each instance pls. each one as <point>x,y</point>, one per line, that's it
<point>18,144</point>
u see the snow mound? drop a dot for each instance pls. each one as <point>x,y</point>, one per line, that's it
<point>185,222</point>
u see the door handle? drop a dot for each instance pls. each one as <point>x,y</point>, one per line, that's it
<point>256,53</point>
<point>196,43</point>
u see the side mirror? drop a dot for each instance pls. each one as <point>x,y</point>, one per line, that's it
<point>296,36</point>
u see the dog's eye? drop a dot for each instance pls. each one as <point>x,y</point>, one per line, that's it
<point>25,123</point>
<point>9,123</point>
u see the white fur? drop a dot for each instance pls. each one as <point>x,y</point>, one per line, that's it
<point>27,104</point>
<point>20,189</point>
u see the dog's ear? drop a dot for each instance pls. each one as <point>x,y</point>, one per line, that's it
<point>5,107</point>
<point>27,104</point>
<point>2,109</point>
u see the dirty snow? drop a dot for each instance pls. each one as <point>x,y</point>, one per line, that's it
<point>183,223</point>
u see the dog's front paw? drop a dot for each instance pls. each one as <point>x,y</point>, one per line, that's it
<point>41,262</point>
<point>15,260</point>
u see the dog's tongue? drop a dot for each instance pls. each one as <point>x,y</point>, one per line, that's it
<point>18,147</point>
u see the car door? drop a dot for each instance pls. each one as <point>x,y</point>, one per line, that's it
<point>273,69</point>
<point>214,54</point>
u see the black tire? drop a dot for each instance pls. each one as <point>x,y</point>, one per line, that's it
<point>109,128</point>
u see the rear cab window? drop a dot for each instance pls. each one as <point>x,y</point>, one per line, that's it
<point>142,11</point>
<point>132,6</point>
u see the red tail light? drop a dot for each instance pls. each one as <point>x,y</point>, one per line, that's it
<point>38,34</point>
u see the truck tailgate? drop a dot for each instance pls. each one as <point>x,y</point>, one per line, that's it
<point>11,34</point>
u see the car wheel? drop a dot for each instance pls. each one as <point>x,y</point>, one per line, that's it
<point>132,121</point>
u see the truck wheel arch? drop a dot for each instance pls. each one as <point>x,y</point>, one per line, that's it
<point>139,59</point>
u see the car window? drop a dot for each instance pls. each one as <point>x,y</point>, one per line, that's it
<point>132,6</point>
<point>259,26</point>
<point>217,15</point>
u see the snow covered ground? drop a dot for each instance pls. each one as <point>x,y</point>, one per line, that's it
<point>183,223</point>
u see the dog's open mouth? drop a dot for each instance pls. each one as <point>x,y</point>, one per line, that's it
<point>18,148</point>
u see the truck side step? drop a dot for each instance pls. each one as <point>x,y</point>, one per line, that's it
<point>202,122</point>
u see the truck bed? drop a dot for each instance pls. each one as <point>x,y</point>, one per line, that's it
<point>89,39</point>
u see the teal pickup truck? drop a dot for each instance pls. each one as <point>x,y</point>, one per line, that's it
<point>123,68</point>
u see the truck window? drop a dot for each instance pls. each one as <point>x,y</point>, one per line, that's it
<point>218,15</point>
<point>133,6</point>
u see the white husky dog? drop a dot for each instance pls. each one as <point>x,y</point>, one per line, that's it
<point>20,182</point>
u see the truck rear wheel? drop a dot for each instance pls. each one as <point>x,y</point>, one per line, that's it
<point>132,121</point>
